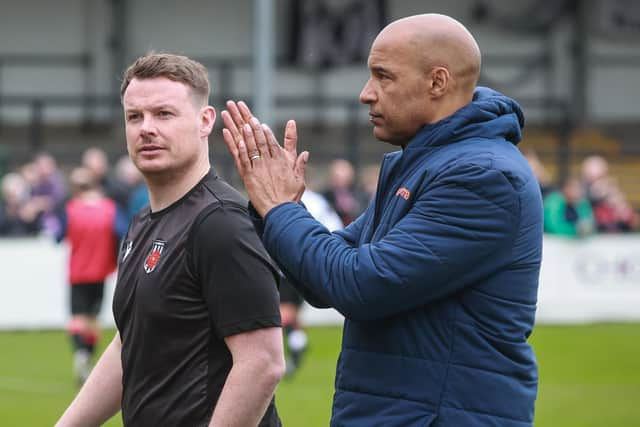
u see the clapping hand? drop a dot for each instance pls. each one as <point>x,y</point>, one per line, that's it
<point>271,174</point>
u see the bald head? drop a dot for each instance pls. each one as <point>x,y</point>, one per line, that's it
<point>438,41</point>
<point>422,69</point>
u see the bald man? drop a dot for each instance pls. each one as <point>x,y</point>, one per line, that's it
<point>438,279</point>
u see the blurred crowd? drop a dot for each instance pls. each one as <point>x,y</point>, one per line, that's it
<point>34,194</point>
<point>584,204</point>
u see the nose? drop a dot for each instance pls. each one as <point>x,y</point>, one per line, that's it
<point>147,127</point>
<point>367,95</point>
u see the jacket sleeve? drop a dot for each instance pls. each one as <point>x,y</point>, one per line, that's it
<point>318,300</point>
<point>459,230</point>
<point>351,234</point>
<point>306,292</point>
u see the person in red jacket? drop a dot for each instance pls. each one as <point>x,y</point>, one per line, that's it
<point>92,226</point>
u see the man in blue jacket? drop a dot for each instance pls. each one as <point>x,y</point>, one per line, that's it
<point>438,279</point>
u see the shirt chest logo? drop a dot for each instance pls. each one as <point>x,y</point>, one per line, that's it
<point>151,261</point>
<point>404,193</point>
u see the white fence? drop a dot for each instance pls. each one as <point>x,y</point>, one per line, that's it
<point>590,280</point>
<point>581,281</point>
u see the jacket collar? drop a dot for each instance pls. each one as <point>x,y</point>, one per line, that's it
<point>489,115</point>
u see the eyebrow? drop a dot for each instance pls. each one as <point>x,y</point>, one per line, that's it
<point>381,69</point>
<point>164,107</point>
<point>154,107</point>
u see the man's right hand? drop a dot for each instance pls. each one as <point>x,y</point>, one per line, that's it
<point>271,174</point>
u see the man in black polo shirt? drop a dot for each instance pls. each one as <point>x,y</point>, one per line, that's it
<point>196,303</point>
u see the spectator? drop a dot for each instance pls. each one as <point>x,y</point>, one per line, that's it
<point>49,189</point>
<point>342,193</point>
<point>50,182</point>
<point>568,212</point>
<point>127,176</point>
<point>540,172</point>
<point>96,160</point>
<point>29,171</point>
<point>132,185</point>
<point>19,214</point>
<point>613,214</point>
<point>594,169</point>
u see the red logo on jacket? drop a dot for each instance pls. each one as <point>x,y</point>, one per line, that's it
<point>153,258</point>
<point>404,193</point>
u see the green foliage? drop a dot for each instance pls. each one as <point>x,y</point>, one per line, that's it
<point>589,376</point>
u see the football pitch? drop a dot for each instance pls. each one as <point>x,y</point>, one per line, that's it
<point>589,376</point>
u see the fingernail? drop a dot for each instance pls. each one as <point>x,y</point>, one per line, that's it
<point>254,121</point>
<point>247,127</point>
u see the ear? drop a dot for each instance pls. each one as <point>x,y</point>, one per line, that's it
<point>207,120</point>
<point>440,79</point>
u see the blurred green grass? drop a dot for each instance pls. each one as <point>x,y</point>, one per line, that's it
<point>589,376</point>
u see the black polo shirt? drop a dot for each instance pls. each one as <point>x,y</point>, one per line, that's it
<point>189,276</point>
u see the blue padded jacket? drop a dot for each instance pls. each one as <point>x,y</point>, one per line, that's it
<point>437,280</point>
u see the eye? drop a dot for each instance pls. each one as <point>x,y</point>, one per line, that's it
<point>165,113</point>
<point>132,116</point>
<point>381,75</point>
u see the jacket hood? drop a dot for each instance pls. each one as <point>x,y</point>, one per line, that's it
<point>489,115</point>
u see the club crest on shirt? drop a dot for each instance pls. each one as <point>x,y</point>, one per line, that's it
<point>153,258</point>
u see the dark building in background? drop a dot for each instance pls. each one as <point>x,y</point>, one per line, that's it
<point>329,33</point>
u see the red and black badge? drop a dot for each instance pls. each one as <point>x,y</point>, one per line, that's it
<point>154,256</point>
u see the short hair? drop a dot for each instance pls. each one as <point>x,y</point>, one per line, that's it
<point>177,68</point>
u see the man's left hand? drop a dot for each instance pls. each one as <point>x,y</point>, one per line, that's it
<point>271,174</point>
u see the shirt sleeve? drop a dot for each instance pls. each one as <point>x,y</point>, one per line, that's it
<point>239,280</point>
